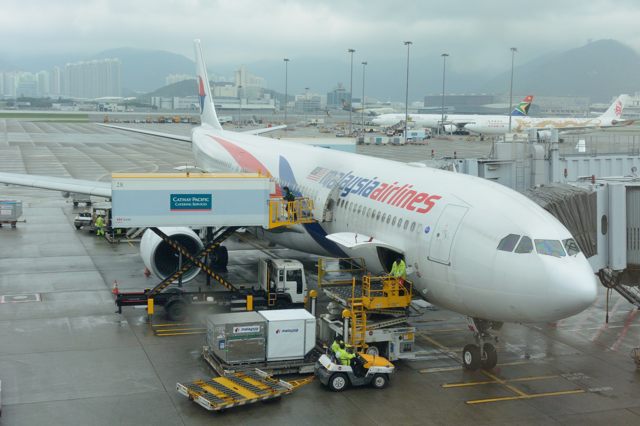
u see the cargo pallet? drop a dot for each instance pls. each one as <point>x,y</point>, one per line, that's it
<point>300,366</point>
<point>241,388</point>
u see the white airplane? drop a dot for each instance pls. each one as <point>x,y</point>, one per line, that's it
<point>452,122</point>
<point>471,245</point>
<point>500,125</point>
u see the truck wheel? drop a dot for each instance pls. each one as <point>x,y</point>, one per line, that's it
<point>338,382</point>
<point>75,204</point>
<point>373,351</point>
<point>176,310</point>
<point>78,226</point>
<point>380,381</point>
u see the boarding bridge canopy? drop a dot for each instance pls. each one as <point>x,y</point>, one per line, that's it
<point>202,199</point>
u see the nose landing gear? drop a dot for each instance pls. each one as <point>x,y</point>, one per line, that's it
<point>483,353</point>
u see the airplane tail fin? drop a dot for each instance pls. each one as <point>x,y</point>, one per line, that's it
<point>523,107</point>
<point>208,114</point>
<point>616,108</point>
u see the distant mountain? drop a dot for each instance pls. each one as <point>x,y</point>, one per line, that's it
<point>181,88</point>
<point>599,70</point>
<point>145,70</point>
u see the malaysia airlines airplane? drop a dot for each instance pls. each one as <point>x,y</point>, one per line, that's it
<point>452,122</point>
<point>471,245</point>
<point>500,125</point>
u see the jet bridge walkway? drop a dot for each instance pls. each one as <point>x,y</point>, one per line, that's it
<point>224,201</point>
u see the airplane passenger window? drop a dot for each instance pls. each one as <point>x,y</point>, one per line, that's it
<point>359,209</point>
<point>550,247</point>
<point>525,245</point>
<point>393,222</point>
<point>369,212</point>
<point>399,223</point>
<point>378,216</point>
<point>406,223</point>
<point>509,242</point>
<point>571,246</point>
<point>384,217</point>
<point>388,219</point>
<point>413,227</point>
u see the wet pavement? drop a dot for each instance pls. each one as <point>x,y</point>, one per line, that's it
<point>67,358</point>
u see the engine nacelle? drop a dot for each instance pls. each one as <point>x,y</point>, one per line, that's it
<point>450,128</point>
<point>161,259</point>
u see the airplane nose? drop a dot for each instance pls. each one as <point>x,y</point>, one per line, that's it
<point>576,287</point>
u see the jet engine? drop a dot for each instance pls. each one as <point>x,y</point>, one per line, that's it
<point>450,128</point>
<point>161,259</point>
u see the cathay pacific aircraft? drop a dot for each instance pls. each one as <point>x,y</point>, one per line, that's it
<point>471,245</point>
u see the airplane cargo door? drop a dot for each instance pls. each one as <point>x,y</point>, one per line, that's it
<point>445,232</point>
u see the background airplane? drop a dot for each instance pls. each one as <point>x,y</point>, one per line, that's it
<point>471,245</point>
<point>452,122</point>
<point>500,125</point>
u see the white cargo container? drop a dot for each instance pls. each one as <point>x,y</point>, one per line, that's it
<point>291,333</point>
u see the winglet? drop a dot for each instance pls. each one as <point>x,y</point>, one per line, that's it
<point>208,115</point>
<point>616,108</point>
<point>523,107</point>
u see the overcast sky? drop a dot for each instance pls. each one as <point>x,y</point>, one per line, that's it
<point>475,33</point>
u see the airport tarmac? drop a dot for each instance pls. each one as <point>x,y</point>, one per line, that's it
<point>67,358</point>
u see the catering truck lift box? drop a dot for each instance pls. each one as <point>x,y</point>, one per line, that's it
<point>237,337</point>
<point>291,333</point>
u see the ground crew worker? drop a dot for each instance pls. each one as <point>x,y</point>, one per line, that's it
<point>288,197</point>
<point>399,269</point>
<point>100,226</point>
<point>345,356</point>
<point>335,346</point>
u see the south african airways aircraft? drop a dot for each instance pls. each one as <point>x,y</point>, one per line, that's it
<point>471,245</point>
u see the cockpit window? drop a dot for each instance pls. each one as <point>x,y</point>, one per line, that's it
<point>525,245</point>
<point>509,242</point>
<point>550,248</point>
<point>571,246</point>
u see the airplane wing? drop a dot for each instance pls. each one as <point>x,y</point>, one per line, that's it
<point>149,132</point>
<point>185,138</point>
<point>80,186</point>
<point>265,130</point>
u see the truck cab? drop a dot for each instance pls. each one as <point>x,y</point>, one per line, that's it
<point>283,280</point>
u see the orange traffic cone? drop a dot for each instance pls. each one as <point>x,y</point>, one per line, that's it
<point>114,289</point>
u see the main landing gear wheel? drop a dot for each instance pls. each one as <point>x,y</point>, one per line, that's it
<point>490,358</point>
<point>338,382</point>
<point>471,359</point>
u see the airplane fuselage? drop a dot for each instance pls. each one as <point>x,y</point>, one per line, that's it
<point>447,226</point>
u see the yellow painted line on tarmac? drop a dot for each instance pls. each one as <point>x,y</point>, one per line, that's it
<point>179,334</point>
<point>172,324</point>
<point>445,369</point>
<point>493,382</point>
<point>435,343</point>
<point>169,330</point>
<point>503,383</point>
<point>525,396</point>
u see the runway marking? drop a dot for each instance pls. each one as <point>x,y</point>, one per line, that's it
<point>493,382</point>
<point>459,367</point>
<point>172,324</point>
<point>519,394</point>
<point>180,334</point>
<point>525,396</point>
<point>623,333</point>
